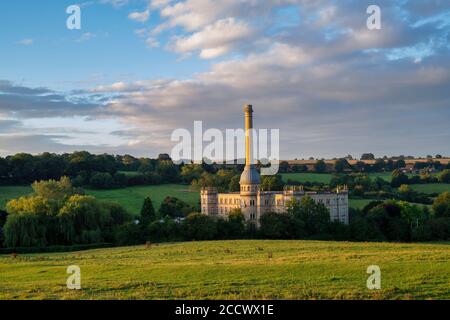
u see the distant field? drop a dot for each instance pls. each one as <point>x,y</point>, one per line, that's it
<point>234,270</point>
<point>11,192</point>
<point>432,187</point>
<point>308,177</point>
<point>359,203</point>
<point>131,198</point>
<point>326,177</point>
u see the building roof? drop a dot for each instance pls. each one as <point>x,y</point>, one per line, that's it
<point>250,176</point>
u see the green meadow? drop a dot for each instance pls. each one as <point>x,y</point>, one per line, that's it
<point>250,269</point>
<point>326,177</point>
<point>432,187</point>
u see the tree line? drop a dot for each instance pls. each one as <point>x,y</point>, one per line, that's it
<point>57,213</point>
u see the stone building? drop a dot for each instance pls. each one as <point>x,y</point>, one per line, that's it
<point>254,202</point>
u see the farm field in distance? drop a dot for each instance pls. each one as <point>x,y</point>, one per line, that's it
<point>326,177</point>
<point>234,270</point>
<point>432,187</point>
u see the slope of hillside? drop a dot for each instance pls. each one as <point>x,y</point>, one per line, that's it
<point>234,270</point>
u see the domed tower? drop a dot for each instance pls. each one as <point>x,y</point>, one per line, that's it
<point>250,179</point>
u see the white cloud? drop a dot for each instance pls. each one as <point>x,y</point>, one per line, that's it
<point>140,16</point>
<point>214,40</point>
<point>25,42</point>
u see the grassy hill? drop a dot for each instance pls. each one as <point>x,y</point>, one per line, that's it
<point>234,270</point>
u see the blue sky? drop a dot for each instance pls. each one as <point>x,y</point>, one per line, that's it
<point>139,69</point>
<point>106,49</point>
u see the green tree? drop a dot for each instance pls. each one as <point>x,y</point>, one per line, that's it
<point>276,226</point>
<point>81,214</point>
<point>367,156</point>
<point>441,205</point>
<point>25,231</point>
<point>444,177</point>
<point>320,166</point>
<point>315,217</point>
<point>147,212</point>
<point>272,183</point>
<point>341,165</point>
<point>234,185</point>
<point>54,190</point>
<point>102,180</point>
<point>199,227</point>
<point>174,208</point>
<point>398,178</point>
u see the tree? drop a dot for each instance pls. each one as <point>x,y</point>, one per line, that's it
<point>387,218</point>
<point>54,190</point>
<point>441,205</point>
<point>314,216</point>
<point>25,231</point>
<point>81,215</point>
<point>276,226</point>
<point>147,212</point>
<point>368,156</point>
<point>444,177</point>
<point>199,227</point>
<point>233,227</point>
<point>320,166</point>
<point>272,183</point>
<point>102,180</point>
<point>398,178</point>
<point>174,208</point>
<point>341,165</point>
<point>234,185</point>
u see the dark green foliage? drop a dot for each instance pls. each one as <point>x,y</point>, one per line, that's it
<point>3,215</point>
<point>174,208</point>
<point>199,227</point>
<point>277,226</point>
<point>102,181</point>
<point>164,230</point>
<point>367,156</point>
<point>233,227</point>
<point>128,234</point>
<point>441,205</point>
<point>147,212</point>
<point>56,215</point>
<point>320,166</point>
<point>444,177</point>
<point>341,165</point>
<point>398,178</point>
<point>272,183</point>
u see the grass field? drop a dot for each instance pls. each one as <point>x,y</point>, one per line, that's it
<point>326,177</point>
<point>432,187</point>
<point>234,270</point>
<point>130,198</point>
<point>11,192</point>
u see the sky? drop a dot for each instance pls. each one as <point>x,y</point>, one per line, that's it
<point>139,69</point>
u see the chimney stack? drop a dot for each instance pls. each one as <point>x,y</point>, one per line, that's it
<point>248,110</point>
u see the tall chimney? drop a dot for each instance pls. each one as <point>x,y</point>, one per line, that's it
<point>248,110</point>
